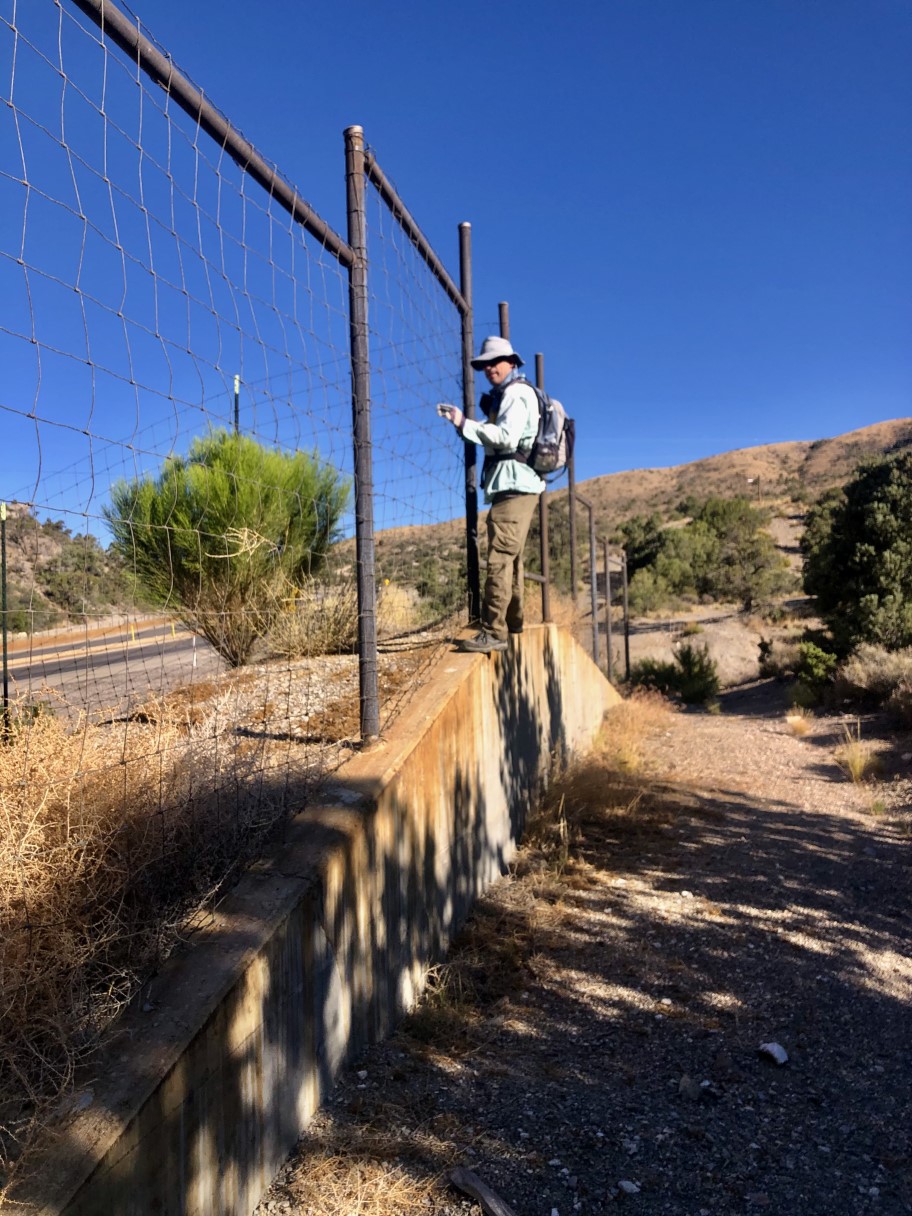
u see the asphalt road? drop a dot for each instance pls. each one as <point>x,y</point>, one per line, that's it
<point>111,673</point>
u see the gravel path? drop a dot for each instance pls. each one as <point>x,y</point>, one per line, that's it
<point>600,1045</point>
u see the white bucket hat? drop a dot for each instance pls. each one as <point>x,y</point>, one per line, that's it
<point>495,349</point>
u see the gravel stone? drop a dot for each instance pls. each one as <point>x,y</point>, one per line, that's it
<point>797,933</point>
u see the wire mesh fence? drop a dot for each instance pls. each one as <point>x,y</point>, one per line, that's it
<point>418,462</point>
<point>180,560</point>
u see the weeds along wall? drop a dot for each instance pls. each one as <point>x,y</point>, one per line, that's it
<point>182,340</point>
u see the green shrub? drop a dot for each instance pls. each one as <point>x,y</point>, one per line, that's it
<point>692,675</point>
<point>721,554</point>
<point>815,666</point>
<point>661,675</point>
<point>699,678</point>
<point>224,535</point>
<point>858,556</point>
<point>813,672</point>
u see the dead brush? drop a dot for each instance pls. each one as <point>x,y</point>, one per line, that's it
<point>548,832</point>
<point>855,756</point>
<point>322,618</point>
<point>110,837</point>
<point>799,720</point>
<point>357,1183</point>
<point>317,618</point>
<point>628,728</point>
<point>447,1006</point>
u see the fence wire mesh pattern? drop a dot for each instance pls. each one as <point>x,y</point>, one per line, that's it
<point>418,460</point>
<point>179,570</point>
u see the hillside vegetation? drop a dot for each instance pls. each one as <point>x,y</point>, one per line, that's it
<point>55,576</point>
<point>798,472</point>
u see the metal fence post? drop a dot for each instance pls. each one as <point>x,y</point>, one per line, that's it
<point>593,587</point>
<point>473,563</point>
<point>626,617</point>
<point>364,488</point>
<point>6,712</point>
<point>571,510</point>
<point>543,515</point>
<point>608,639</point>
<point>503,314</point>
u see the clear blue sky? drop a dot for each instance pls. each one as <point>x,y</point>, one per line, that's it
<point>699,210</point>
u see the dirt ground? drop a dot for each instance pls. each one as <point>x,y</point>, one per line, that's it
<point>595,1038</point>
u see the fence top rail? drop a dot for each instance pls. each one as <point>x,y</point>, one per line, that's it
<point>389,195</point>
<point>116,25</point>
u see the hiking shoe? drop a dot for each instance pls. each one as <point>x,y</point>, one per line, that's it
<point>484,643</point>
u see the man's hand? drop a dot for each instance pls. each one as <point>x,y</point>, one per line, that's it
<point>452,413</point>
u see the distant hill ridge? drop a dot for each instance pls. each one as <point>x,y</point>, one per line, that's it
<point>801,469</point>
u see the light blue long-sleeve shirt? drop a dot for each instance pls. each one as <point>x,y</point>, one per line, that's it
<point>514,428</point>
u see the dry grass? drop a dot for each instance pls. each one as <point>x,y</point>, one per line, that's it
<point>357,1183</point>
<point>855,756</point>
<point>115,835</point>
<point>561,607</point>
<point>628,728</point>
<point>799,720</point>
<point>873,673</point>
<point>110,837</point>
<point>322,618</point>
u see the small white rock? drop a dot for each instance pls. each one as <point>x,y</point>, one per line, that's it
<point>774,1051</point>
<point>629,1188</point>
<point>362,1074</point>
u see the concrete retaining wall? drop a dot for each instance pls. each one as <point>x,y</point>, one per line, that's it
<point>322,945</point>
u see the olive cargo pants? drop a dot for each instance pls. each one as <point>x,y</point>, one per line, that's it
<point>508,526</point>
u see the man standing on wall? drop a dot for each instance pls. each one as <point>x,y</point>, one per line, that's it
<point>511,487</point>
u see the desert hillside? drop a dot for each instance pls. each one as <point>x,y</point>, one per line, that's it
<point>799,470</point>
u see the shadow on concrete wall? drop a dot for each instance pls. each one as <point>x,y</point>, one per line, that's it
<point>315,955</point>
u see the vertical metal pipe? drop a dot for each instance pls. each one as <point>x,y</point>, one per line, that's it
<point>626,618</point>
<point>571,508</point>
<point>543,515</point>
<point>3,607</point>
<point>608,639</point>
<point>593,589</point>
<point>364,487</point>
<point>473,563</point>
<point>503,312</point>
<point>237,404</point>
